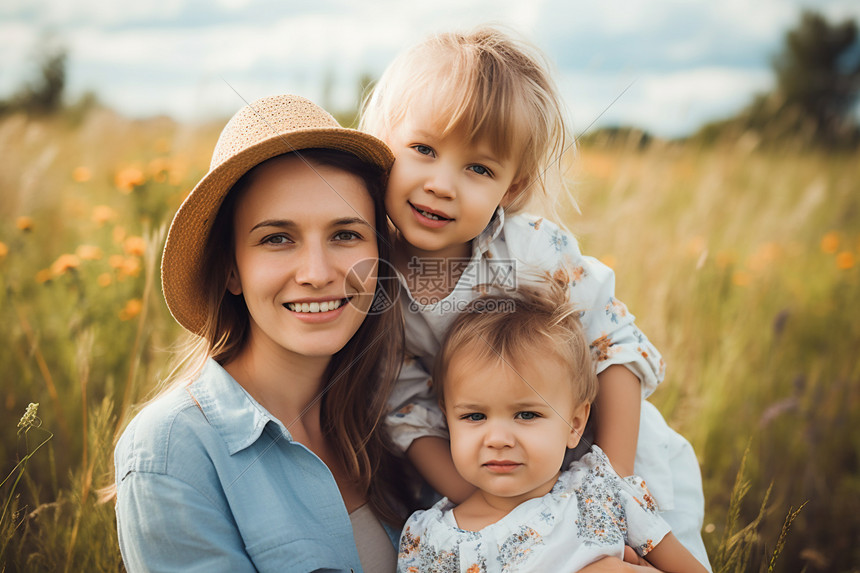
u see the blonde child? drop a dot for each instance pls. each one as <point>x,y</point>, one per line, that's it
<point>515,380</point>
<point>476,128</point>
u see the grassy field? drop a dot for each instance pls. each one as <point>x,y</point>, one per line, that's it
<point>741,264</point>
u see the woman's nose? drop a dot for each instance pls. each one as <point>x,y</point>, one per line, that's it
<point>315,266</point>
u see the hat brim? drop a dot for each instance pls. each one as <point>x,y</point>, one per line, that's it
<point>182,262</point>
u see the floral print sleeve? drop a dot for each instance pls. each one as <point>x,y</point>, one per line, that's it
<point>544,247</point>
<point>414,409</point>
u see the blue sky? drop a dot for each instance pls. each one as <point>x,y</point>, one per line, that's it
<point>688,61</point>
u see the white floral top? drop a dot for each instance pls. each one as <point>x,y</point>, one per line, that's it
<point>590,513</point>
<point>509,252</point>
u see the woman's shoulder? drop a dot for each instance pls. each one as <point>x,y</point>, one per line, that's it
<point>167,430</point>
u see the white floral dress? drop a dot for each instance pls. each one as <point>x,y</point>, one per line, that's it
<point>590,513</point>
<point>517,250</point>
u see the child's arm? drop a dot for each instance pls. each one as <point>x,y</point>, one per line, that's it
<point>672,557</point>
<point>619,401</point>
<point>431,456</point>
<point>616,565</point>
<point>417,427</point>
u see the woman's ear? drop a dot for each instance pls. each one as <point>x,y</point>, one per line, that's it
<point>577,424</point>
<point>234,285</point>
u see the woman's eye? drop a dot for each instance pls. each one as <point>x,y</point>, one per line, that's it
<point>528,415</point>
<point>423,149</point>
<point>276,240</point>
<point>481,170</point>
<point>346,236</point>
<point>475,417</point>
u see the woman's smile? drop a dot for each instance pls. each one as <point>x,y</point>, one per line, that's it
<point>299,230</point>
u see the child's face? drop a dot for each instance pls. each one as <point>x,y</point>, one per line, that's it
<point>296,240</point>
<point>510,424</point>
<point>442,191</point>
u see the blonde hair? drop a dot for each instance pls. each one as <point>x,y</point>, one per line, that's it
<point>520,327</point>
<point>489,85</point>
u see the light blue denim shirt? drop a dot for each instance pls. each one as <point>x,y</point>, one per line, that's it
<point>208,480</point>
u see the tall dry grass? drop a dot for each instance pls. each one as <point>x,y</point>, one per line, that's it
<point>740,263</point>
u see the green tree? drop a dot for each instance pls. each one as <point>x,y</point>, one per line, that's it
<point>818,74</point>
<point>43,95</point>
<point>817,85</point>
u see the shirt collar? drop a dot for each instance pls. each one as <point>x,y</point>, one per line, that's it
<point>229,409</point>
<point>482,242</point>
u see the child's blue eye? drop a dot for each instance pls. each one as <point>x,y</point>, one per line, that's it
<point>475,417</point>
<point>527,415</point>
<point>423,149</point>
<point>481,170</point>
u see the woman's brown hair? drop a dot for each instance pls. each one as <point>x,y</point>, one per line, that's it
<point>359,377</point>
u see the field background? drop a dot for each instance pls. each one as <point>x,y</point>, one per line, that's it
<point>741,262</point>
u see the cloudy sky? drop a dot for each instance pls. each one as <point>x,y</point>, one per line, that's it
<point>689,61</point>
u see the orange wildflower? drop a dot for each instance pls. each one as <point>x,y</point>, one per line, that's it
<point>134,246</point>
<point>44,276</point>
<point>81,174</point>
<point>118,234</point>
<point>725,259</point>
<point>763,257</point>
<point>128,178</point>
<point>65,263</point>
<point>102,214</point>
<point>696,245</point>
<point>830,243</point>
<point>116,261</point>
<point>89,253</point>
<point>741,278</point>
<point>105,279</point>
<point>132,309</point>
<point>24,223</point>
<point>4,250</point>
<point>130,267</point>
<point>845,260</point>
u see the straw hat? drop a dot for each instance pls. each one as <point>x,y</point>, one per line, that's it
<point>261,130</point>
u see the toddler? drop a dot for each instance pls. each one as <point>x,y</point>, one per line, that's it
<point>477,130</point>
<point>515,380</point>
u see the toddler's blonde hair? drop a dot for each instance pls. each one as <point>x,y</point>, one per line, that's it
<point>489,85</point>
<point>534,323</point>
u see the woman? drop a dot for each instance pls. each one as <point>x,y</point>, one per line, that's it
<point>270,455</point>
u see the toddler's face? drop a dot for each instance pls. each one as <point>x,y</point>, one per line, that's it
<point>510,424</point>
<point>442,191</point>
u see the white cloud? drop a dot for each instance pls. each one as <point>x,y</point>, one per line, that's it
<point>692,60</point>
<point>666,103</point>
